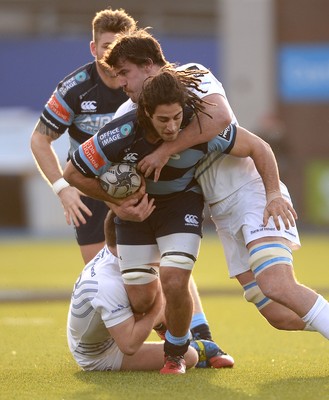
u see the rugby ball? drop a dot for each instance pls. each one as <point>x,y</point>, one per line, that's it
<point>120,180</point>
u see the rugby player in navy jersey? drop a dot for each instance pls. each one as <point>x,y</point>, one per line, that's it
<point>82,103</point>
<point>250,207</point>
<point>170,236</point>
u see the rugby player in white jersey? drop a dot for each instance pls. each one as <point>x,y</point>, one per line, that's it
<point>103,333</point>
<point>249,205</point>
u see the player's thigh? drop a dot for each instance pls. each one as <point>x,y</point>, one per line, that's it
<point>149,357</point>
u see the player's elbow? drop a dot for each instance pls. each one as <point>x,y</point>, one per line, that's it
<point>129,349</point>
<point>224,119</point>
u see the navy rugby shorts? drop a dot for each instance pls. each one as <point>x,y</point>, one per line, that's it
<point>93,231</point>
<point>180,213</point>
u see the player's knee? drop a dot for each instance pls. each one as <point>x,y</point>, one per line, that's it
<point>140,276</point>
<point>253,294</point>
<point>267,254</point>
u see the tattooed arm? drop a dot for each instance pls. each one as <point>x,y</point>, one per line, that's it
<point>51,170</point>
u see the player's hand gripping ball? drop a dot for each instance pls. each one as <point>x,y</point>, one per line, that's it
<point>120,180</point>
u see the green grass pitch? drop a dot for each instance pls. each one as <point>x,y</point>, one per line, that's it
<point>35,362</point>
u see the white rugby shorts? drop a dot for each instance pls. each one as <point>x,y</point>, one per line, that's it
<point>239,220</point>
<point>109,360</point>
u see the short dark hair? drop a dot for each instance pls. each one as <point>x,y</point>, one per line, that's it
<point>137,46</point>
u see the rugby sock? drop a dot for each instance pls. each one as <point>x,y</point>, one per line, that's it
<point>318,317</point>
<point>176,345</point>
<point>199,327</point>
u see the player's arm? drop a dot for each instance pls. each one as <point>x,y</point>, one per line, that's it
<point>218,118</point>
<point>136,207</point>
<point>49,166</point>
<point>131,334</point>
<point>249,145</point>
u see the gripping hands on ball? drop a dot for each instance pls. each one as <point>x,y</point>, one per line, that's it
<point>120,180</point>
<point>127,186</point>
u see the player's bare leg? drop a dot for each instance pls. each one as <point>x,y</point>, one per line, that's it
<point>178,314</point>
<point>277,315</point>
<point>271,263</point>
<point>142,297</point>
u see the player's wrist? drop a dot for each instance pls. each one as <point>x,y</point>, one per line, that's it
<point>270,196</point>
<point>59,185</point>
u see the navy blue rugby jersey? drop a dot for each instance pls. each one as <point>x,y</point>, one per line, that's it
<point>122,140</point>
<point>83,104</point>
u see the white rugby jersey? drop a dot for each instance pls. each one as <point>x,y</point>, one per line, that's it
<point>99,301</point>
<point>220,175</point>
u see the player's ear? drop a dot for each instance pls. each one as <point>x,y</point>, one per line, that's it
<point>93,48</point>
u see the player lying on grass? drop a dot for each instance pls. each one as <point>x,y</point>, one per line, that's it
<point>251,220</point>
<point>103,332</point>
<point>171,234</point>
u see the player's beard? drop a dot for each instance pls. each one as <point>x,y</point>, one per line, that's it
<point>107,75</point>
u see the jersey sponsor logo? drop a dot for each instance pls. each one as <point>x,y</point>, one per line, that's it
<point>81,76</point>
<point>89,106</point>
<point>131,157</point>
<point>56,108</point>
<point>191,220</point>
<point>125,129</point>
<point>90,152</point>
<point>226,133</point>
<point>119,308</point>
<point>73,81</point>
<point>115,134</point>
<point>92,123</point>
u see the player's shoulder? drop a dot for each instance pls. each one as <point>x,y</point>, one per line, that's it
<point>192,66</point>
<point>79,77</point>
<point>125,108</point>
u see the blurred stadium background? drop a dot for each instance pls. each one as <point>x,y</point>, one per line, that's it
<point>271,55</point>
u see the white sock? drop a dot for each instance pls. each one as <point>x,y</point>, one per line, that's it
<point>318,317</point>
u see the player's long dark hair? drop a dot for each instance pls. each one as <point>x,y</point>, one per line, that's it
<point>170,86</point>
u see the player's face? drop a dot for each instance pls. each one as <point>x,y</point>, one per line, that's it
<point>131,78</point>
<point>167,120</point>
<point>99,46</point>
<point>98,49</point>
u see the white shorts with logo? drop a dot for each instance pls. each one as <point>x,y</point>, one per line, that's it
<point>239,221</point>
<point>109,360</point>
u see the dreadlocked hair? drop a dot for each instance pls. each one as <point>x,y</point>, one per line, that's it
<point>170,86</point>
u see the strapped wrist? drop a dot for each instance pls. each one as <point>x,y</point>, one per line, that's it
<point>59,185</point>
